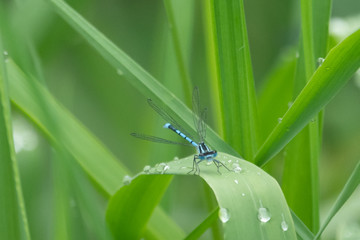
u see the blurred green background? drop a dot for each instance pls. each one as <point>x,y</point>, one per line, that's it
<point>111,108</point>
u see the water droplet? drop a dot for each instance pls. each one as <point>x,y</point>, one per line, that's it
<point>224,215</point>
<point>320,61</point>
<point>147,169</point>
<point>183,167</point>
<point>167,167</point>
<point>290,104</point>
<point>236,181</point>
<point>313,120</point>
<point>119,72</point>
<point>243,194</point>
<point>176,158</point>
<point>236,168</point>
<point>264,215</point>
<point>284,226</point>
<point>6,56</point>
<point>127,180</point>
<point>279,120</point>
<point>160,167</point>
<point>208,163</point>
<point>229,161</point>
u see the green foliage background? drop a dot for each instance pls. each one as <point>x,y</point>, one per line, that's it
<point>42,46</point>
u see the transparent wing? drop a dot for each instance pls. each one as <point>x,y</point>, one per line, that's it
<point>167,117</point>
<point>157,139</point>
<point>198,116</point>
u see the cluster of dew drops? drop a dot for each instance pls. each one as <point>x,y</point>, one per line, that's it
<point>263,216</point>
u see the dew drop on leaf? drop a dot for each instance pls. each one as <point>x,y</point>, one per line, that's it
<point>284,226</point>
<point>147,169</point>
<point>264,215</point>
<point>127,180</point>
<point>224,215</point>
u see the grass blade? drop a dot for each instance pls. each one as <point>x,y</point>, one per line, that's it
<point>245,193</point>
<point>207,223</point>
<point>340,64</point>
<point>350,186</point>
<point>301,230</point>
<point>236,79</point>
<point>134,73</point>
<point>12,205</point>
<point>184,73</point>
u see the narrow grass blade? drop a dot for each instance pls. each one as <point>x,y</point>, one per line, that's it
<point>298,182</point>
<point>350,186</point>
<point>251,202</point>
<point>85,148</point>
<point>236,79</point>
<point>184,73</point>
<point>134,73</point>
<point>340,64</point>
<point>302,231</point>
<point>199,230</point>
<point>13,219</point>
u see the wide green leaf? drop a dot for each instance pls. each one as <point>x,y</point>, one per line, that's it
<point>339,65</point>
<point>235,76</point>
<point>251,204</point>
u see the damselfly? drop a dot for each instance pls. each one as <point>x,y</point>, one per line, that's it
<point>204,152</point>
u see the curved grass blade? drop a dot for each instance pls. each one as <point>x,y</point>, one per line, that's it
<point>12,205</point>
<point>134,73</point>
<point>251,203</point>
<point>340,64</point>
<point>97,161</point>
<point>350,186</point>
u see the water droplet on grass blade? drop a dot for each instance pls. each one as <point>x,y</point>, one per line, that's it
<point>243,194</point>
<point>236,167</point>
<point>279,120</point>
<point>224,215</point>
<point>236,181</point>
<point>167,167</point>
<point>320,61</point>
<point>264,215</point>
<point>147,169</point>
<point>284,226</point>
<point>6,56</point>
<point>127,180</point>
